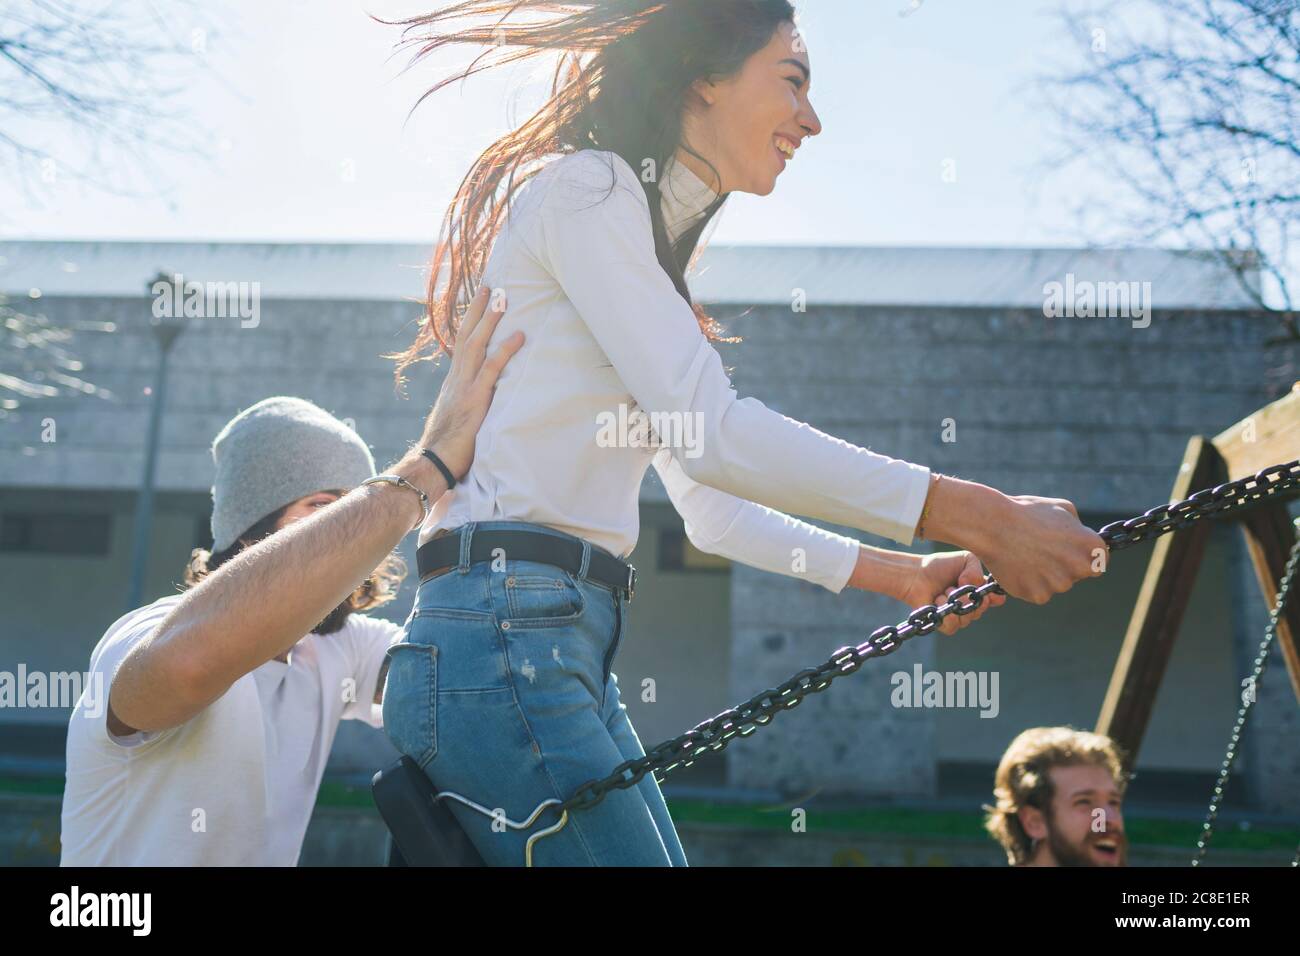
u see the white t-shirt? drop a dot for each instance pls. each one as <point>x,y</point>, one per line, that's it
<point>236,784</point>
<point>610,340</point>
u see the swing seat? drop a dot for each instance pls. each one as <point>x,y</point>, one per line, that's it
<point>424,832</point>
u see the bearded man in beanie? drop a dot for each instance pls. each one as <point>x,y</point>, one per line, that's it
<point>223,701</point>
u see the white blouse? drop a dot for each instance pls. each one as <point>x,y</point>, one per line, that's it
<point>609,345</point>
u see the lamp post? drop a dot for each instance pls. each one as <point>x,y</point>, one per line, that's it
<point>166,330</point>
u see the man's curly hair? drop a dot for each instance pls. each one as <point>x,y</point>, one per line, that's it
<point>1023,778</point>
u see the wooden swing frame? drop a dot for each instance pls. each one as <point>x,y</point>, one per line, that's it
<point>1270,435</point>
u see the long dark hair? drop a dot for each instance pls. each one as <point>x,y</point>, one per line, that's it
<point>621,84</point>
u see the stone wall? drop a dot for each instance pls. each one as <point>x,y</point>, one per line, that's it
<point>1092,410</point>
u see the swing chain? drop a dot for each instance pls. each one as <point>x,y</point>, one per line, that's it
<point>1248,699</point>
<point>1233,496</point>
<point>743,719</point>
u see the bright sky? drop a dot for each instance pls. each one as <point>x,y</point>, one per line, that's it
<point>301,132</point>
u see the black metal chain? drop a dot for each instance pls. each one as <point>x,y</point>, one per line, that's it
<point>1247,702</point>
<point>742,720</point>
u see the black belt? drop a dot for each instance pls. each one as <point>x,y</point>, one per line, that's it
<point>443,553</point>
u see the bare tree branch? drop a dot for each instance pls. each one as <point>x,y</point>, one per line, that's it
<point>95,76</point>
<point>1190,108</point>
<point>79,79</point>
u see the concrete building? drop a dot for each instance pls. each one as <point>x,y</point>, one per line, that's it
<point>941,356</point>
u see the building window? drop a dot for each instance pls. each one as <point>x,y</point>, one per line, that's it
<point>87,534</point>
<point>676,553</point>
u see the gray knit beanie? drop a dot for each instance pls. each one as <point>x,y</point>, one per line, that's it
<point>274,453</point>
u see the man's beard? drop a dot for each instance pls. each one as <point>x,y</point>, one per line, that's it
<point>1070,854</point>
<point>335,620</point>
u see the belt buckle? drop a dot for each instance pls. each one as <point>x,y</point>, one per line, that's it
<point>631,583</point>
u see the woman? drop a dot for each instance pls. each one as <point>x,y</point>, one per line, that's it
<point>502,689</point>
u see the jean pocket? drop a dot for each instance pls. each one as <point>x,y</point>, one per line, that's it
<point>543,599</point>
<point>411,701</point>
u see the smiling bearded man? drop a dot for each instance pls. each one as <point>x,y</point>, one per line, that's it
<point>1059,796</point>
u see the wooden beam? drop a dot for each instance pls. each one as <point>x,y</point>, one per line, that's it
<point>1268,437</point>
<point>1270,534</point>
<point>1153,628</point>
<point>1271,436</point>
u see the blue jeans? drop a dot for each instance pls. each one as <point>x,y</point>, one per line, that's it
<point>502,691</point>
